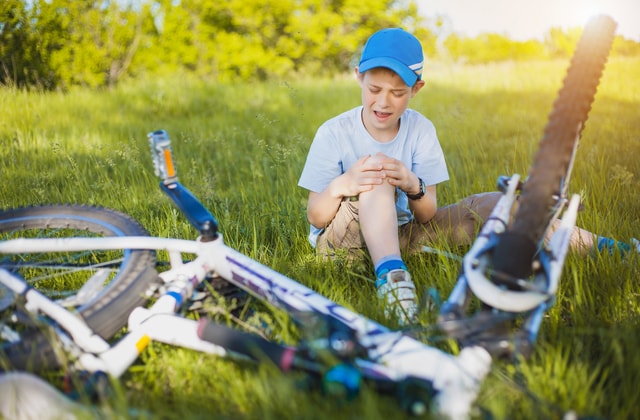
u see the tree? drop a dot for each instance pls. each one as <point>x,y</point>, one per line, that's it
<point>625,47</point>
<point>491,47</point>
<point>24,47</point>
<point>62,43</point>
<point>561,44</point>
<point>99,42</point>
<point>242,39</point>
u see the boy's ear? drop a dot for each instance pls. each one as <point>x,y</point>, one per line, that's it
<point>359,75</point>
<point>416,88</point>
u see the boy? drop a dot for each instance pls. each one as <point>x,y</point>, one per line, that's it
<point>372,172</point>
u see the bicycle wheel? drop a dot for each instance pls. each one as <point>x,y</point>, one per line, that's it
<point>518,245</point>
<point>125,279</point>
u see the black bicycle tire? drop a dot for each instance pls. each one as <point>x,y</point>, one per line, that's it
<point>107,312</point>
<point>517,246</point>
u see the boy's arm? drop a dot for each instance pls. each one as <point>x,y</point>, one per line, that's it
<point>425,208</point>
<point>321,208</point>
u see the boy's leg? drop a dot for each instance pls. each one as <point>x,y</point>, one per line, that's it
<point>343,233</point>
<point>457,224</point>
<point>379,222</point>
<point>371,221</point>
<point>379,226</point>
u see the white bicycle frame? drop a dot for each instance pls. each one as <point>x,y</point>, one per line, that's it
<point>391,355</point>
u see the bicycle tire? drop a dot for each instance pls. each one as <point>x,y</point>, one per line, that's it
<point>519,243</point>
<point>133,275</point>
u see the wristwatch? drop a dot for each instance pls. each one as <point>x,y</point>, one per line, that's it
<point>418,196</point>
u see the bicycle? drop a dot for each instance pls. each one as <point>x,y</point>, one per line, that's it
<point>108,263</point>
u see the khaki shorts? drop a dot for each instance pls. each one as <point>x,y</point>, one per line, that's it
<point>457,223</point>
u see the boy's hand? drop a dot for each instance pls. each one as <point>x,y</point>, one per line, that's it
<point>362,176</point>
<point>397,174</point>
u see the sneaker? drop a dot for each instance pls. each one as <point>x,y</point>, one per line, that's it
<point>398,292</point>
<point>611,245</point>
<point>636,244</point>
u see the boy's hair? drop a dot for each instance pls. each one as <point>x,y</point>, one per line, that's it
<point>395,49</point>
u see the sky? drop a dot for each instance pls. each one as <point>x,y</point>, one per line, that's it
<point>531,19</point>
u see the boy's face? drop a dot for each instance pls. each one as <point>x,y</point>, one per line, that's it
<point>385,96</point>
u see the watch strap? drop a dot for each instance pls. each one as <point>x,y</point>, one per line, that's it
<point>420,194</point>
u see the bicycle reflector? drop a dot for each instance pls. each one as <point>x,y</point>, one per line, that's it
<point>162,158</point>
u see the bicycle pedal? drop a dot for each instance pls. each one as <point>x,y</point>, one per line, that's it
<point>431,301</point>
<point>196,306</point>
<point>198,296</point>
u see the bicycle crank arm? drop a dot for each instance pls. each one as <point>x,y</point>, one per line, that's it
<point>193,209</point>
<point>189,205</point>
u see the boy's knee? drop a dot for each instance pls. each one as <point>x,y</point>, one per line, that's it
<point>381,191</point>
<point>480,206</point>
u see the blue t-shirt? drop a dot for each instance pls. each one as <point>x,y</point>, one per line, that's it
<point>342,140</point>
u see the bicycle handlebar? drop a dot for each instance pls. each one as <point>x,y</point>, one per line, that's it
<point>247,344</point>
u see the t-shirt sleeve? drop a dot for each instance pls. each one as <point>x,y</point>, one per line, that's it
<point>428,161</point>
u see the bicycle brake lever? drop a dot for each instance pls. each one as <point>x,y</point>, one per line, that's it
<point>503,184</point>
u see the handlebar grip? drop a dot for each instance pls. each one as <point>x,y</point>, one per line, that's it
<point>247,344</point>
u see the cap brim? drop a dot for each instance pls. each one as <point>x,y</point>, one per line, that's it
<point>405,73</point>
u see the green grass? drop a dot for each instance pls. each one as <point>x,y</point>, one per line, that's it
<point>240,148</point>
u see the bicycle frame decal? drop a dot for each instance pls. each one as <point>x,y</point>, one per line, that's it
<point>286,294</point>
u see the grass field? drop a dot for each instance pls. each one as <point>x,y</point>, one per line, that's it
<point>240,148</point>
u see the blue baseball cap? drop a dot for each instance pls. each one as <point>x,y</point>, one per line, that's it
<point>395,49</point>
